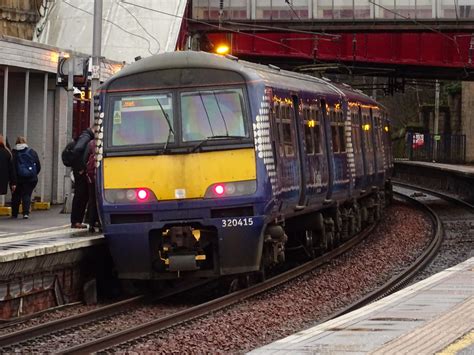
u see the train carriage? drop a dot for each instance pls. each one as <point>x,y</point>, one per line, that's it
<point>211,166</point>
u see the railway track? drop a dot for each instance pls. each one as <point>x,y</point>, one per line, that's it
<point>434,203</point>
<point>62,325</point>
<point>228,300</point>
<point>87,317</point>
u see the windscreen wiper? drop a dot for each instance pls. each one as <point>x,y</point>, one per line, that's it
<point>170,131</point>
<point>217,137</point>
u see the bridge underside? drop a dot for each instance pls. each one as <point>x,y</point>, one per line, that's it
<point>447,55</point>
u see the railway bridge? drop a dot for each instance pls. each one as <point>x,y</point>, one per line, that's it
<point>395,38</point>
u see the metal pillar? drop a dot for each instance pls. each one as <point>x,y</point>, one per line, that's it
<point>436,121</point>
<point>25,111</point>
<point>4,116</point>
<point>5,101</point>
<point>96,53</point>
<point>43,141</point>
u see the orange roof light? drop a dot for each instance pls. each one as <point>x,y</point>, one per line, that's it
<point>222,49</point>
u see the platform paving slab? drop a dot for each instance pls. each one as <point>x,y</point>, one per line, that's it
<point>421,319</point>
<point>39,221</point>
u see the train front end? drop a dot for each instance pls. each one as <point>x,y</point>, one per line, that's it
<point>180,190</point>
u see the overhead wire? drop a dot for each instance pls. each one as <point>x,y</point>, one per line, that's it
<point>114,24</point>
<point>292,9</point>
<point>139,24</point>
<point>276,28</point>
<point>221,28</point>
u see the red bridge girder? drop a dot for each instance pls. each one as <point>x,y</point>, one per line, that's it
<point>426,49</point>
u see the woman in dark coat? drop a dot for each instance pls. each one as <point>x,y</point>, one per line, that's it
<point>7,170</point>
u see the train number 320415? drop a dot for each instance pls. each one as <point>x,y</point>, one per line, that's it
<point>237,222</point>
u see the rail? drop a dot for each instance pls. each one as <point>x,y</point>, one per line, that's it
<point>214,305</point>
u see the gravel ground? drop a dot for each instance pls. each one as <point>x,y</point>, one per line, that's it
<point>49,316</point>
<point>458,242</point>
<point>396,242</point>
<point>71,337</point>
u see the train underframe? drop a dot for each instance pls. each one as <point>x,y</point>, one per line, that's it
<point>313,234</point>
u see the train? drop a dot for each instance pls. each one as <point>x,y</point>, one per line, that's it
<point>209,166</point>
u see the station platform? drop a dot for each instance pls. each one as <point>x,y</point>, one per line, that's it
<point>45,232</point>
<point>462,170</point>
<point>40,220</point>
<point>44,262</point>
<point>456,180</point>
<point>433,316</point>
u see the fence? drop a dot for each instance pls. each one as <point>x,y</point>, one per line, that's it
<point>441,148</point>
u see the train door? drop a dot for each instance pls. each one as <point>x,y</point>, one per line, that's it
<point>387,143</point>
<point>284,133</point>
<point>327,142</point>
<point>300,151</point>
<point>367,146</point>
<point>357,148</point>
<point>379,151</point>
<point>315,152</point>
<point>338,140</point>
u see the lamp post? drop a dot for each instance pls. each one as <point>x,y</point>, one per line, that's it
<point>96,53</point>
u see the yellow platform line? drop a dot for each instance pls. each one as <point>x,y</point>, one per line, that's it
<point>5,211</point>
<point>459,345</point>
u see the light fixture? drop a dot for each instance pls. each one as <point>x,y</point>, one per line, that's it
<point>222,49</point>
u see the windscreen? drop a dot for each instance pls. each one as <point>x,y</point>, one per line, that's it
<point>212,113</point>
<point>142,119</point>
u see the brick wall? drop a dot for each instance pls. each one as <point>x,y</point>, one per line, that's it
<point>467,115</point>
<point>18,18</point>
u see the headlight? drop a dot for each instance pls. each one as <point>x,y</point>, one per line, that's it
<point>139,195</point>
<point>234,188</point>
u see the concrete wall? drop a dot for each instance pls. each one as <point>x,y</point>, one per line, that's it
<point>468,118</point>
<point>15,122</point>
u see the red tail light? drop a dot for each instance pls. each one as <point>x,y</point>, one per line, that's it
<point>142,195</point>
<point>219,189</point>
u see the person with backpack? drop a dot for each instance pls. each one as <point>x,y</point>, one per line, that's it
<point>7,170</point>
<point>78,161</point>
<point>27,167</point>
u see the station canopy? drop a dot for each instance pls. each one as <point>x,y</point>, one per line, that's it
<point>128,31</point>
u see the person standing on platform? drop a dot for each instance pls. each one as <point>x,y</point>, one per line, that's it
<point>92,214</point>
<point>27,167</point>
<point>7,169</point>
<point>81,195</point>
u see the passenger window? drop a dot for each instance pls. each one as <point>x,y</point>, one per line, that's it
<point>335,141</point>
<point>308,137</point>
<point>367,127</point>
<point>342,139</point>
<point>287,140</point>
<point>317,139</point>
<point>278,127</point>
<point>287,119</point>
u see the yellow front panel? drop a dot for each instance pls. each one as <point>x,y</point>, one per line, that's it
<point>163,174</point>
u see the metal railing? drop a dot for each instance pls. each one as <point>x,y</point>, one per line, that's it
<point>442,148</point>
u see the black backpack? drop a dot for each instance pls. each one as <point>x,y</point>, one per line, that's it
<point>26,163</point>
<point>68,156</point>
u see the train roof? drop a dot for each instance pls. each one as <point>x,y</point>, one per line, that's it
<point>269,74</point>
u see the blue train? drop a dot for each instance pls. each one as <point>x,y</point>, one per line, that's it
<point>211,166</point>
